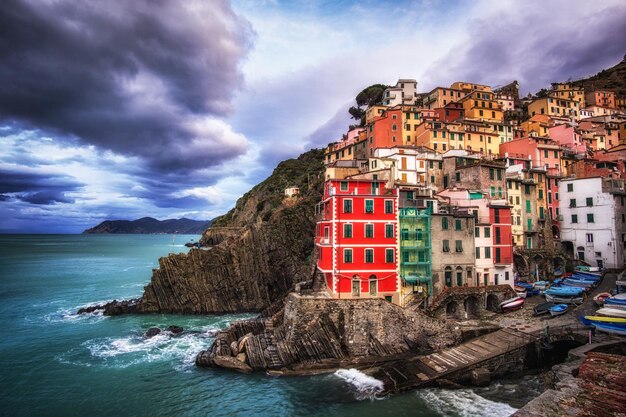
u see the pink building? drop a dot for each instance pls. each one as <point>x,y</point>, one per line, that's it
<point>566,135</point>
<point>543,152</point>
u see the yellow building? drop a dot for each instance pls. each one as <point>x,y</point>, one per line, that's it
<point>373,112</point>
<point>552,106</point>
<point>469,87</point>
<point>440,96</point>
<point>514,191</point>
<point>540,124</point>
<point>480,137</point>
<point>482,105</point>
<point>440,136</point>
<point>568,91</point>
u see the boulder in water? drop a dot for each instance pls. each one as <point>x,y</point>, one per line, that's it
<point>152,331</point>
<point>232,363</point>
<point>175,329</point>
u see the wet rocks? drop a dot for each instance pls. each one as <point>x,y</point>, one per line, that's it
<point>229,362</point>
<point>480,377</point>
<point>175,329</point>
<point>113,308</point>
<point>152,331</point>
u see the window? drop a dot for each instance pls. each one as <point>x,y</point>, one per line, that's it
<point>409,195</point>
<point>477,232</point>
<point>343,185</point>
<point>570,187</point>
<point>389,230</point>
<point>347,230</point>
<point>405,234</point>
<point>458,245</point>
<point>526,189</point>
<point>389,256</point>
<point>527,206</point>
<point>488,252</point>
<point>444,223</point>
<point>589,201</point>
<point>421,256</point>
<point>388,206</point>
<point>590,218</point>
<point>419,234</point>
<point>347,256</point>
<point>369,206</point>
<point>499,191</point>
<point>369,256</point>
<point>369,230</point>
<point>457,224</point>
<point>487,232</point>
<point>499,172</point>
<point>347,206</point>
<point>590,237</point>
<point>529,225</point>
<point>574,218</point>
<point>491,173</point>
<point>498,256</point>
<point>446,245</point>
<point>356,287</point>
<point>540,194</point>
<point>477,253</point>
<point>498,237</point>
<point>572,202</point>
<point>492,189</point>
<point>405,256</point>
<point>457,176</point>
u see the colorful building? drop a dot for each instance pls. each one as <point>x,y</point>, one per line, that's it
<point>552,106</point>
<point>357,239</point>
<point>600,98</point>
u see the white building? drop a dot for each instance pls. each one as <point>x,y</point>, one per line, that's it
<point>594,220</point>
<point>405,92</point>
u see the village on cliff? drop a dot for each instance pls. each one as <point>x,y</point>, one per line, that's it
<point>469,186</point>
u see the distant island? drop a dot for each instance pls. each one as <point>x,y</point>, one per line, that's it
<point>149,225</point>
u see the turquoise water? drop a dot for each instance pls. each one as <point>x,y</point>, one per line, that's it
<point>55,363</point>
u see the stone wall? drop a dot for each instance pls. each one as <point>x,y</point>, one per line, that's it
<point>469,302</point>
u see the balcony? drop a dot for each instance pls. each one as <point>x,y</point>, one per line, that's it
<point>503,261</point>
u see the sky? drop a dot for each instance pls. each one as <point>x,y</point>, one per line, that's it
<point>169,109</point>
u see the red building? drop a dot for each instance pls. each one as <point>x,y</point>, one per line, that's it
<point>500,219</point>
<point>450,112</point>
<point>384,131</point>
<point>357,239</point>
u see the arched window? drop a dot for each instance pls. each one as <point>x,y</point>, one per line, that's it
<point>459,276</point>
<point>448,276</point>
<point>373,285</point>
<point>356,286</point>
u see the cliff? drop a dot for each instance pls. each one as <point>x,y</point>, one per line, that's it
<point>613,79</point>
<point>319,334</point>
<point>253,255</point>
<point>148,225</point>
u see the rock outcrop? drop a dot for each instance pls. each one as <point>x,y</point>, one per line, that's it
<point>253,255</point>
<point>312,334</point>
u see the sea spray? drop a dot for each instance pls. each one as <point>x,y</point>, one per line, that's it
<point>463,403</point>
<point>366,386</point>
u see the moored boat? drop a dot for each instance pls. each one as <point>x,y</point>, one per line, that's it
<point>599,299</point>
<point>564,299</point>
<point>512,304</point>
<point>612,327</point>
<point>543,308</point>
<point>542,285</point>
<point>558,309</point>
<point>564,291</point>
<point>615,302</point>
<point>611,312</point>
<point>521,291</point>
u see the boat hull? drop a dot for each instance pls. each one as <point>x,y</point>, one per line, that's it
<point>512,304</point>
<point>564,300</point>
<point>611,312</point>
<point>543,308</point>
<point>558,310</point>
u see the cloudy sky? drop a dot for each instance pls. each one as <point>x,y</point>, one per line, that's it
<point>163,108</point>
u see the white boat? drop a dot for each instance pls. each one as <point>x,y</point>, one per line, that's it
<point>512,304</point>
<point>563,300</point>
<point>612,312</point>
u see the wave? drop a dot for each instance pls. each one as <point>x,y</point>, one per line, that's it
<point>366,386</point>
<point>463,403</point>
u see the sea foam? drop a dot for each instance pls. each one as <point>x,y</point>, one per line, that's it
<point>463,403</point>
<point>365,385</point>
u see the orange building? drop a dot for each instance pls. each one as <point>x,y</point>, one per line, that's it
<point>568,91</point>
<point>601,98</point>
<point>552,106</point>
<point>482,105</point>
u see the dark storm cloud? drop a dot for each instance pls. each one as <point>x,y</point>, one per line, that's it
<point>36,188</point>
<point>133,77</point>
<point>536,48</point>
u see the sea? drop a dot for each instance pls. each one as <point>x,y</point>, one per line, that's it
<point>56,363</point>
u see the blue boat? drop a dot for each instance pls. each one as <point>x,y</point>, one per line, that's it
<point>589,274</point>
<point>615,302</point>
<point>564,291</point>
<point>577,283</point>
<point>607,327</point>
<point>558,309</point>
<point>585,278</point>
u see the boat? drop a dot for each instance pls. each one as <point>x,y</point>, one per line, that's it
<point>589,274</point>
<point>542,285</point>
<point>558,272</point>
<point>521,291</point>
<point>599,299</point>
<point>611,312</point>
<point>564,291</point>
<point>585,278</point>
<point>618,328</point>
<point>558,309</point>
<point>564,299</point>
<point>512,304</point>
<point>575,283</point>
<point>614,302</point>
<point>584,268</point>
<point>543,308</point>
